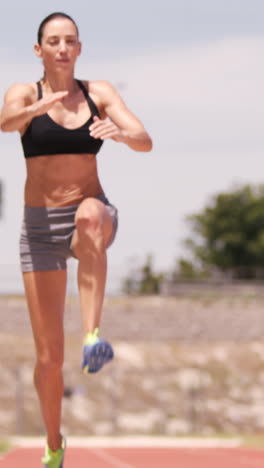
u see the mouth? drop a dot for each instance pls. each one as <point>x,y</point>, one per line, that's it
<point>63,60</point>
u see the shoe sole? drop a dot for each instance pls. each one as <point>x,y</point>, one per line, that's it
<point>61,465</point>
<point>98,355</point>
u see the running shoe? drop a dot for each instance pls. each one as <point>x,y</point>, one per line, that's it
<point>54,459</point>
<point>96,353</point>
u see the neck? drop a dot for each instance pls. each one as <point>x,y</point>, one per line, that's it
<point>59,82</point>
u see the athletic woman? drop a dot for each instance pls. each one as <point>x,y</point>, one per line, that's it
<point>63,123</point>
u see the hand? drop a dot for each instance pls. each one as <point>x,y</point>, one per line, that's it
<point>105,129</point>
<point>44,104</point>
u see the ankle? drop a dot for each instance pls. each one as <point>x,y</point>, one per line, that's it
<point>91,337</point>
<point>55,444</point>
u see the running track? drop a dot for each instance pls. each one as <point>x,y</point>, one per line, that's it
<point>142,458</point>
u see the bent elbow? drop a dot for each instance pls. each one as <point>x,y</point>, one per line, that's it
<point>3,125</point>
<point>3,128</point>
<point>148,145</point>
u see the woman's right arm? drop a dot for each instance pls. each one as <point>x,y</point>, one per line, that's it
<point>17,110</point>
<point>21,105</point>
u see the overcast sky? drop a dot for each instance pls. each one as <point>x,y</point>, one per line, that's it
<point>193,72</point>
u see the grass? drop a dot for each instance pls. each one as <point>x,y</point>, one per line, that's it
<point>5,446</point>
<point>253,440</point>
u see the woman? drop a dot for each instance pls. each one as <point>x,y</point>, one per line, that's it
<point>63,123</point>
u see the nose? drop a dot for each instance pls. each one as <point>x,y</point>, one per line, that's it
<point>62,45</point>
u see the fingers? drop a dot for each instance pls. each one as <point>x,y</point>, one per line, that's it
<point>99,126</point>
<point>44,104</point>
<point>61,94</point>
<point>54,97</point>
<point>104,129</point>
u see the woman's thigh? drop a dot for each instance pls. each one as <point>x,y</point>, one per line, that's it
<point>45,293</point>
<point>94,215</point>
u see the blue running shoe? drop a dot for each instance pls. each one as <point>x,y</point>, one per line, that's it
<point>96,353</point>
<point>54,459</point>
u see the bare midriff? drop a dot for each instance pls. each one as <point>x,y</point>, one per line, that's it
<point>61,180</point>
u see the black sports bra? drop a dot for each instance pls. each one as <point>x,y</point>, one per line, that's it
<point>44,136</point>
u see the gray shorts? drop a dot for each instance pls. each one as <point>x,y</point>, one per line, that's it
<point>45,241</point>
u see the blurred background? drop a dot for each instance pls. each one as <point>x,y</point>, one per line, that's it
<point>185,285</point>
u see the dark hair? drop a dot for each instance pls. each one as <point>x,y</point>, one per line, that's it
<point>50,17</point>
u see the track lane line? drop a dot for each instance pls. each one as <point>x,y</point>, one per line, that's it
<point>114,461</point>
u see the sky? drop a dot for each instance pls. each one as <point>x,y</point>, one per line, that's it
<point>193,72</point>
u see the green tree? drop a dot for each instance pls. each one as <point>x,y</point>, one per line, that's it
<point>229,233</point>
<point>143,280</point>
<point>188,270</point>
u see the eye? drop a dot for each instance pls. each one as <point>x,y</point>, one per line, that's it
<point>53,42</point>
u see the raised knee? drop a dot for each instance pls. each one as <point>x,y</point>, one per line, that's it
<point>89,222</point>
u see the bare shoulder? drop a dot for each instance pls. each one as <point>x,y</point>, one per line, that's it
<point>101,85</point>
<point>102,89</point>
<point>103,94</point>
<point>25,91</point>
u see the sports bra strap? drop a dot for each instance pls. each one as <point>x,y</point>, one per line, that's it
<point>39,90</point>
<point>91,104</point>
<point>93,108</point>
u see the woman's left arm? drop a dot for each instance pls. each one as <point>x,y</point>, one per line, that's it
<point>121,125</point>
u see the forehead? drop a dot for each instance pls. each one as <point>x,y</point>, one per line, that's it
<point>59,27</point>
